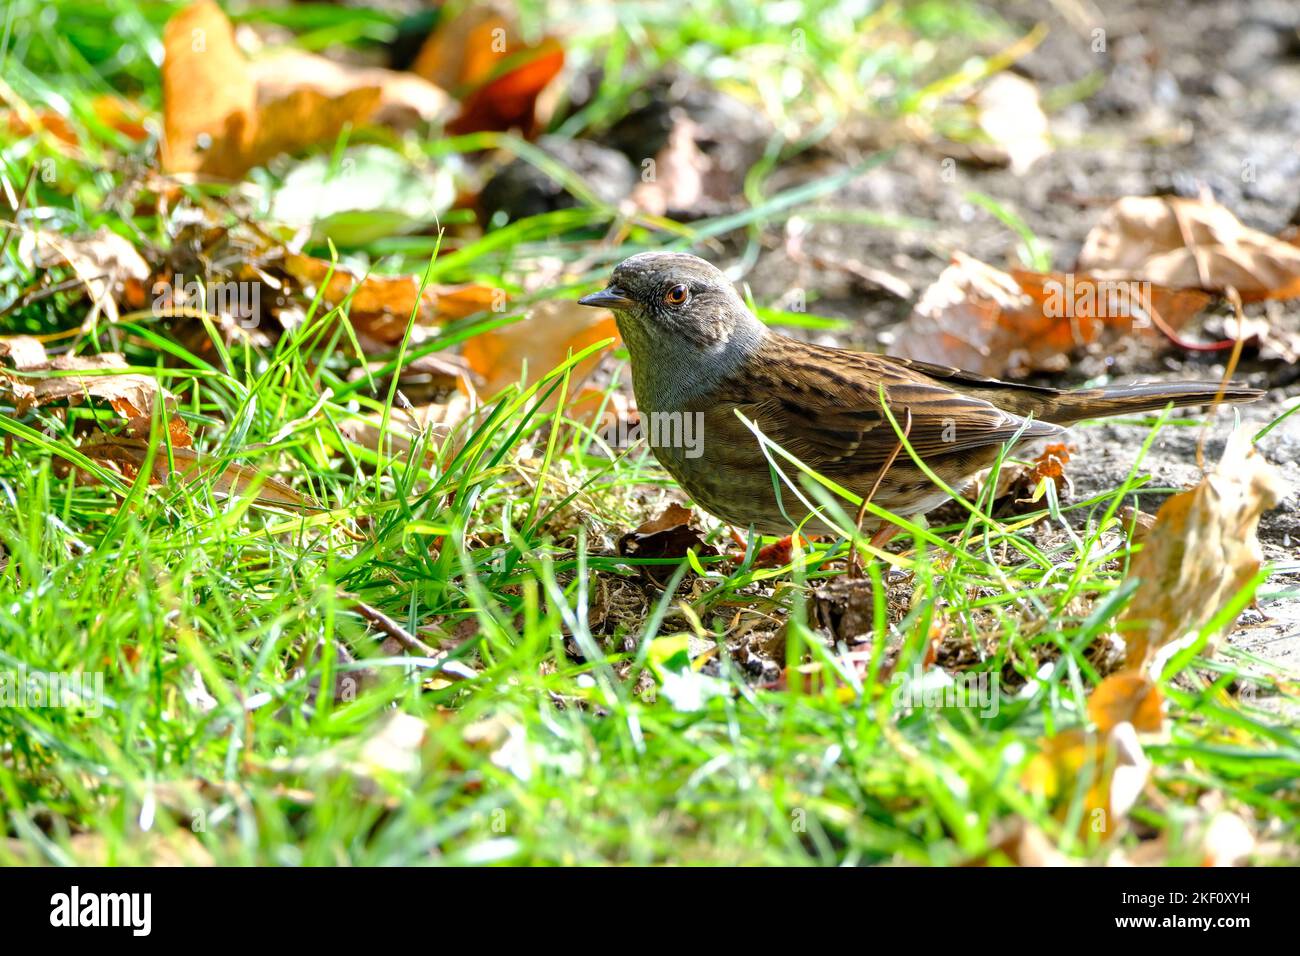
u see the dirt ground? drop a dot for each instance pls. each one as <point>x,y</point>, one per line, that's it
<point>1194,94</point>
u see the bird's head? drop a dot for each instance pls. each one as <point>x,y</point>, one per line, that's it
<point>675,301</point>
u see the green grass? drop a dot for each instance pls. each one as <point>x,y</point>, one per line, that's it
<point>555,730</point>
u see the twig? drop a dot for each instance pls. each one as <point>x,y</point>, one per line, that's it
<point>855,568</point>
<point>443,663</point>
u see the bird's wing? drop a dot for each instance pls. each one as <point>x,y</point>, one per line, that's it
<point>823,405</point>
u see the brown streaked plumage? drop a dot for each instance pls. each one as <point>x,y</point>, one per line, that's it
<point>697,350</point>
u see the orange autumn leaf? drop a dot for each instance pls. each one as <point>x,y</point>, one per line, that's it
<point>51,122</point>
<point>122,115</point>
<point>113,111</point>
<point>1051,463</point>
<point>223,115</point>
<point>209,98</point>
<point>462,53</point>
<point>993,322</point>
<point>1127,697</point>
<point>509,101</point>
<point>1109,767</point>
<point>381,305</point>
<point>1094,302</point>
<point>304,118</point>
<point>479,56</point>
<point>404,98</point>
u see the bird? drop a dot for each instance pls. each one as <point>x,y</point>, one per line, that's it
<point>699,356</point>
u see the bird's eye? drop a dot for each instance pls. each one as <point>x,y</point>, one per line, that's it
<point>676,295</point>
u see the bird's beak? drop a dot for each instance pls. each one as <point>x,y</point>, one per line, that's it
<point>611,298</point>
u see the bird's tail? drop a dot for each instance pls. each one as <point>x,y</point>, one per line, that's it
<point>1070,407</point>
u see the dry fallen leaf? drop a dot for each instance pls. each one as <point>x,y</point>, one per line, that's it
<point>667,536</point>
<point>74,377</point>
<point>983,319</point>
<point>223,115</point>
<point>108,265</point>
<point>114,112</point>
<point>234,480</point>
<point>381,305</point>
<point>538,343</point>
<point>404,98</point>
<point>1012,117</point>
<point>28,122</point>
<point>478,55</point>
<point>209,97</point>
<point>122,115</point>
<point>509,101</point>
<point>23,352</point>
<point>1127,697</point>
<point>462,52</point>
<point>1202,549</point>
<point>1190,243</point>
<point>1114,767</point>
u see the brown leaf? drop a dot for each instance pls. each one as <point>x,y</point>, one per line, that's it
<point>538,343</point>
<point>674,516</point>
<point>122,115</point>
<point>23,352</point>
<point>1190,243</point>
<point>682,180</point>
<point>983,319</point>
<point>131,394</point>
<point>50,121</point>
<point>478,55</point>
<point>209,97</point>
<point>107,264</point>
<point>218,121</point>
<point>1127,697</point>
<point>129,454</point>
<point>667,536</point>
<point>404,98</point>
<point>462,52</point>
<point>178,432</point>
<point>1137,524</point>
<point>1024,483</point>
<point>304,118</point>
<point>1202,550</point>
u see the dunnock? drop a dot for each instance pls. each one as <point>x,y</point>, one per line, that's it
<point>699,356</point>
